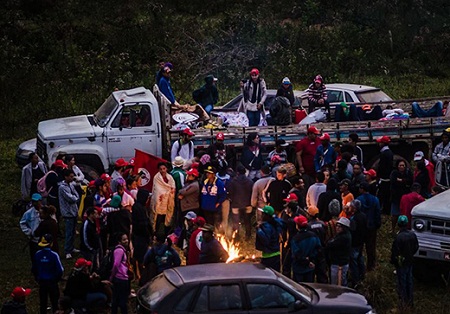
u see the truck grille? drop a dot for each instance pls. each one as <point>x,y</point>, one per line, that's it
<point>440,227</point>
<point>41,149</point>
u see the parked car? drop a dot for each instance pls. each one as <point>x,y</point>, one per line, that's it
<point>242,288</point>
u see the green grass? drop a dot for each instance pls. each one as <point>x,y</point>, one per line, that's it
<point>379,286</point>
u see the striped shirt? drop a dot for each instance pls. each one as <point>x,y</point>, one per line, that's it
<point>314,93</point>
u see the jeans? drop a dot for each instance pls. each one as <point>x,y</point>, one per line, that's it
<point>435,111</point>
<point>121,290</point>
<point>253,117</point>
<point>405,285</point>
<point>357,267</point>
<point>71,224</point>
<point>338,273</point>
<point>48,288</point>
<point>208,108</point>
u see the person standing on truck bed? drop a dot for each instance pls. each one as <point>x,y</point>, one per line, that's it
<point>385,166</point>
<point>183,147</point>
<point>317,96</point>
<point>403,249</point>
<point>164,84</point>
<point>305,152</point>
<point>254,94</point>
<point>441,155</point>
<point>162,64</point>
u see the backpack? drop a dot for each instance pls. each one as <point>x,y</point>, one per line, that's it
<point>197,95</point>
<point>42,185</point>
<point>106,265</point>
<point>179,147</point>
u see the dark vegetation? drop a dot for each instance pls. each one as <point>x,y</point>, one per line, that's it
<point>60,58</point>
<point>64,57</point>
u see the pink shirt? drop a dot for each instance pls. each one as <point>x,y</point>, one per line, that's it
<point>120,266</point>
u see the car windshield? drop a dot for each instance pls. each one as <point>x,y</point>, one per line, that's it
<point>103,113</point>
<point>304,292</point>
<point>154,292</point>
<point>373,96</point>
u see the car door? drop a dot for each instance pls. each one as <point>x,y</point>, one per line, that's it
<point>271,298</point>
<point>220,298</point>
<point>132,127</point>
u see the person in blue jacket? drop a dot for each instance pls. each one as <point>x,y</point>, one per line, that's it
<point>325,155</point>
<point>164,85</point>
<point>268,237</point>
<point>47,270</point>
<point>212,195</point>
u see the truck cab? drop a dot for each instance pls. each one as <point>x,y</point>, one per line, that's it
<point>126,120</point>
<point>431,224</point>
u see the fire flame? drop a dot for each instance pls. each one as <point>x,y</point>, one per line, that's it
<point>230,246</point>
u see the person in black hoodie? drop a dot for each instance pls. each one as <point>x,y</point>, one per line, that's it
<point>142,229</point>
<point>358,227</point>
<point>326,197</point>
<point>278,190</point>
<point>118,221</point>
<point>90,239</point>
<point>385,166</point>
<point>17,304</point>
<point>338,251</point>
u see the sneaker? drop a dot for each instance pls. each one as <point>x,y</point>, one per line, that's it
<point>75,251</point>
<point>68,256</point>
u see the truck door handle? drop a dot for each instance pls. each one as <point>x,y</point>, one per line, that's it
<point>149,131</point>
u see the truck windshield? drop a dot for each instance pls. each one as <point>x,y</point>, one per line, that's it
<point>105,111</point>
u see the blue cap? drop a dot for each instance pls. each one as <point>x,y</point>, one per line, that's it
<point>36,197</point>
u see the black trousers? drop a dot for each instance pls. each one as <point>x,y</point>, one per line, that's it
<point>48,288</point>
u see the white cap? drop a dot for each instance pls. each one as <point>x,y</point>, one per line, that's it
<point>418,156</point>
<point>286,80</point>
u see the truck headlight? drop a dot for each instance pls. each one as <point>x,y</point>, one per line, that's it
<point>419,225</point>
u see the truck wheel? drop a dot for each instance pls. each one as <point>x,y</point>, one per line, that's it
<point>89,172</point>
<point>428,272</point>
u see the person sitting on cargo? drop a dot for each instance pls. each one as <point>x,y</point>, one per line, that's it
<point>183,147</point>
<point>207,95</point>
<point>286,90</point>
<point>436,111</point>
<point>344,112</point>
<point>164,85</point>
<point>317,95</point>
<point>280,112</point>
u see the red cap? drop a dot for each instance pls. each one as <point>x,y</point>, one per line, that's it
<point>121,162</point>
<point>105,177</point>
<point>325,137</point>
<point>384,139</point>
<point>318,78</point>
<point>81,262</point>
<point>254,71</point>
<point>371,173</point>
<point>59,163</point>
<point>313,129</point>
<point>291,197</point>
<point>19,292</point>
<point>301,221</point>
<point>193,172</point>
<point>199,221</point>
<point>220,136</point>
<point>91,184</point>
<point>188,131</point>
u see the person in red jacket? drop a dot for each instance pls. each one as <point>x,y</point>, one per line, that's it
<point>195,242</point>
<point>418,156</point>
<point>408,201</point>
<point>305,152</point>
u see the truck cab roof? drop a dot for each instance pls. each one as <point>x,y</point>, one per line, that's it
<point>138,94</point>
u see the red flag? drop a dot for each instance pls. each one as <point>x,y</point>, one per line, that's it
<point>147,165</point>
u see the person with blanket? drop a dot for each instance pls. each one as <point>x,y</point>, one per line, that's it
<point>163,200</point>
<point>254,94</point>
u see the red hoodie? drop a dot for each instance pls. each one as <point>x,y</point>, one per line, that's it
<point>407,202</point>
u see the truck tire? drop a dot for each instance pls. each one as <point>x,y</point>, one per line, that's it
<point>430,272</point>
<point>89,172</point>
<point>91,161</point>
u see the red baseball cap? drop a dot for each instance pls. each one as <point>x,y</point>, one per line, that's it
<point>59,163</point>
<point>313,129</point>
<point>91,184</point>
<point>291,197</point>
<point>384,139</point>
<point>19,292</point>
<point>325,137</point>
<point>188,131</point>
<point>301,221</point>
<point>199,221</point>
<point>318,78</point>
<point>105,177</point>
<point>220,136</point>
<point>193,172</point>
<point>81,262</point>
<point>254,71</point>
<point>121,162</point>
<point>371,173</point>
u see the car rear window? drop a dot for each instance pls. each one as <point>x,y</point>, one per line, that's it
<point>157,290</point>
<point>373,96</point>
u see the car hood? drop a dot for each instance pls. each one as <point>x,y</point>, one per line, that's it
<point>70,127</point>
<point>436,207</point>
<point>329,294</point>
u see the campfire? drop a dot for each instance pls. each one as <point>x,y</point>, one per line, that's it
<point>235,254</point>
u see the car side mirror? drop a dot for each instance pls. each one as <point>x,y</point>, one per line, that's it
<point>297,306</point>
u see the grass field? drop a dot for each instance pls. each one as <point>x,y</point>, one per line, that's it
<point>379,286</point>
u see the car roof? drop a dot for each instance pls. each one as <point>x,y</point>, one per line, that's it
<point>352,87</point>
<point>438,206</point>
<point>218,271</point>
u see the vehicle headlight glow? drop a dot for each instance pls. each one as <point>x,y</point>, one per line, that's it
<point>419,225</point>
